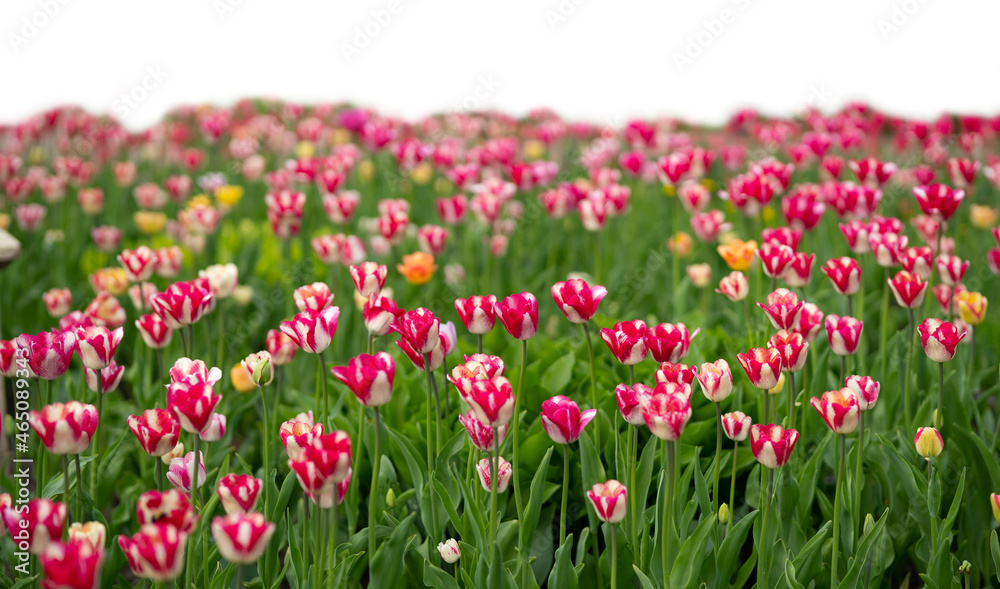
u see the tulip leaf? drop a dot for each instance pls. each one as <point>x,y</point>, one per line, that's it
<point>558,374</point>
<point>860,561</point>
<point>995,552</point>
<point>644,473</point>
<point>55,486</point>
<point>729,552</point>
<point>807,562</point>
<point>789,576</point>
<point>437,577</point>
<point>413,462</point>
<point>450,448</point>
<point>449,507</point>
<point>808,477</point>
<point>475,513</point>
<point>644,581</point>
<point>529,520</point>
<point>385,569</point>
<point>563,575</point>
<point>688,561</point>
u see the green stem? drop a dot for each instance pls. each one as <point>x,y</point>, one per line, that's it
<point>373,493</point>
<point>322,387</point>
<point>884,324</point>
<point>79,485</point>
<point>764,554</point>
<point>65,493</point>
<point>732,490</point>
<point>906,375</point>
<point>858,480</point>
<point>96,440</point>
<point>222,338</point>
<point>305,536</point>
<point>746,313</point>
<point>668,508</point>
<point>940,411</point>
<point>593,385</point>
<point>358,450</point>
<point>480,347</point>
<point>431,445</point>
<point>266,451</point>
<point>614,556</point>
<point>930,505</point>
<point>565,496</point>
<point>320,547</point>
<point>836,513</point>
<point>159,475</point>
<point>494,467</point>
<point>633,442</point>
<point>516,446</point>
<point>791,400</point>
<point>333,533</point>
<point>718,455</point>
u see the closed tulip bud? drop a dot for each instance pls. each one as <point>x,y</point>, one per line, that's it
<point>562,419</point>
<point>783,308</point>
<point>312,330</point>
<point>951,269</point>
<point>627,341</point>
<point>48,353</point>
<point>182,472</point>
<point>154,331</point>
<point>844,273</point>
<point>519,315</point>
<point>37,524</point>
<point>420,328</point>
<point>716,380</point>
<point>928,442</point>
<point>799,271</point>
<point>839,409</point>
<point>995,504</point>
<point>810,322</point>
<point>610,501</point>
<point>843,333</point>
<point>775,258</point>
<point>762,366</point>
<point>369,378</point>
<point>93,533</point>
<point>630,401</point>
<point>724,514</point>
<point>667,410</point>
<point>171,506</point>
<point>917,260</point>
<point>260,367</point>
<point>971,307</point>
<point>241,378</point>
<point>280,347</point>
<point>216,429</point>
<point>504,474</point>
<point>57,301</point>
<point>908,289</point>
<point>155,552</point>
<point>298,433</point>
<point>369,277</point>
<point>315,296</point>
<point>736,425</point>
<point>481,435</point>
<point>886,247</point>
<point>193,404</point>
<point>390,498</point>
<point>477,313</point>
<point>157,431</point>
<point>734,286</point>
<point>779,386</point>
<point>577,299</point>
<point>772,445</point>
<point>110,377</point>
<point>939,339</point>
<point>492,400</point>
<point>669,342</point>
<point>65,428</point>
<point>138,263</point>
<point>866,389</point>
<point>239,493</point>
<point>680,374</point>
<point>449,550</point>
<point>71,565</point>
<point>938,200</point>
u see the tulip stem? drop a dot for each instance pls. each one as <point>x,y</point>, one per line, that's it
<point>746,313</point>
<point>565,496</point>
<point>222,339</point>
<point>159,475</point>
<point>305,536</point>
<point>321,544</point>
<point>763,553</point>
<point>791,399</point>
<point>633,442</point>
<point>333,532</point>
<point>858,482</point>
<point>593,385</point>
<point>65,492</point>
<point>940,415</point>
<point>836,512</point>
<point>97,439</point>
<point>614,556</point>
<point>970,385</point>
<point>264,444</point>
<point>159,364</point>
<point>668,511</point>
<point>79,491</point>
<point>322,387</point>
<point>431,445</point>
<point>732,490</point>
<point>884,325</point>
<point>494,467</point>
<point>843,367</point>
<point>515,440</point>
<point>481,343</point>
<point>373,493</point>
<point>718,455</point>
<point>906,375</point>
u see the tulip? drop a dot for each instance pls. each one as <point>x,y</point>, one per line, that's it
<point>667,410</point>
<point>65,428</point>
<point>792,348</point>
<point>216,429</point>
<point>381,313</point>
<point>37,524</point>
<point>844,334</point>
<point>97,345</point>
<point>417,268</point>
<point>736,425</point>
<point>106,310</point>
<point>681,374</point>
<point>369,378</point>
<point>48,353</point>
<point>298,433</point>
<point>810,322</point>
<point>971,307</point>
<point>939,339</point>
<point>609,501</point>
<point>578,300</point>
<point>171,507</point>
<point>157,430</point>
<point>492,401</point>
<point>734,286</point>
<point>193,404</point>
<point>630,402</point>
<point>627,341</point>
<point>519,315</point>
<point>844,273</point>
<point>783,308</point>
<point>449,550</point>
<point>917,260</point>
<point>928,442</point>
<point>909,289</point>
<point>191,372</point>
<point>772,445</point>
<point>420,329</point>
<point>951,269</point>
<point>481,435</point>
<point>995,504</point>
<point>156,552</point>
<point>799,271</point>
<point>280,347</point>
<point>762,366</point>
<point>886,248</point>
<point>485,468</point>
<point>312,330</point>
<point>57,301</point>
<point>138,263</point>
<point>315,296</point>
<point>71,565</point>
<point>182,304</point>
<point>222,279</point>
<point>668,342</point>
<point>866,390</point>
<point>477,313</point>
<point>839,409</point>
<point>738,254</point>
<point>938,200</point>
<point>562,419</point>
<point>181,473</point>
<point>154,331</point>
<point>110,378</point>
<point>775,258</point>
<point>239,493</point>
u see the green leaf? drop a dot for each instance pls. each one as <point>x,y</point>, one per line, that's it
<point>55,486</point>
<point>534,507</point>
<point>729,552</point>
<point>450,448</point>
<point>860,561</point>
<point>385,569</point>
<point>789,576</point>
<point>995,551</point>
<point>287,487</point>
<point>474,513</point>
<point>436,577</point>
<point>563,575</point>
<point>558,374</point>
<point>644,581</point>
<point>689,560</point>
<point>807,562</point>
<point>418,470</point>
<point>449,508</point>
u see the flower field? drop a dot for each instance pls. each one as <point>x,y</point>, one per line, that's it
<point>274,345</point>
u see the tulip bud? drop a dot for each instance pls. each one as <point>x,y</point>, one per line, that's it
<point>450,552</point>
<point>724,514</point>
<point>778,387</point>
<point>928,442</point>
<point>504,473</point>
<point>995,504</point>
<point>261,368</point>
<point>390,498</point>
<point>177,452</point>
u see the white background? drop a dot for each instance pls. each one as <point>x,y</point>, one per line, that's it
<point>601,60</point>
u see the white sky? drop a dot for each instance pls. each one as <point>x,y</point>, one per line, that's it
<point>600,60</point>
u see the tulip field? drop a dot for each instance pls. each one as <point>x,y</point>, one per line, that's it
<point>274,346</point>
